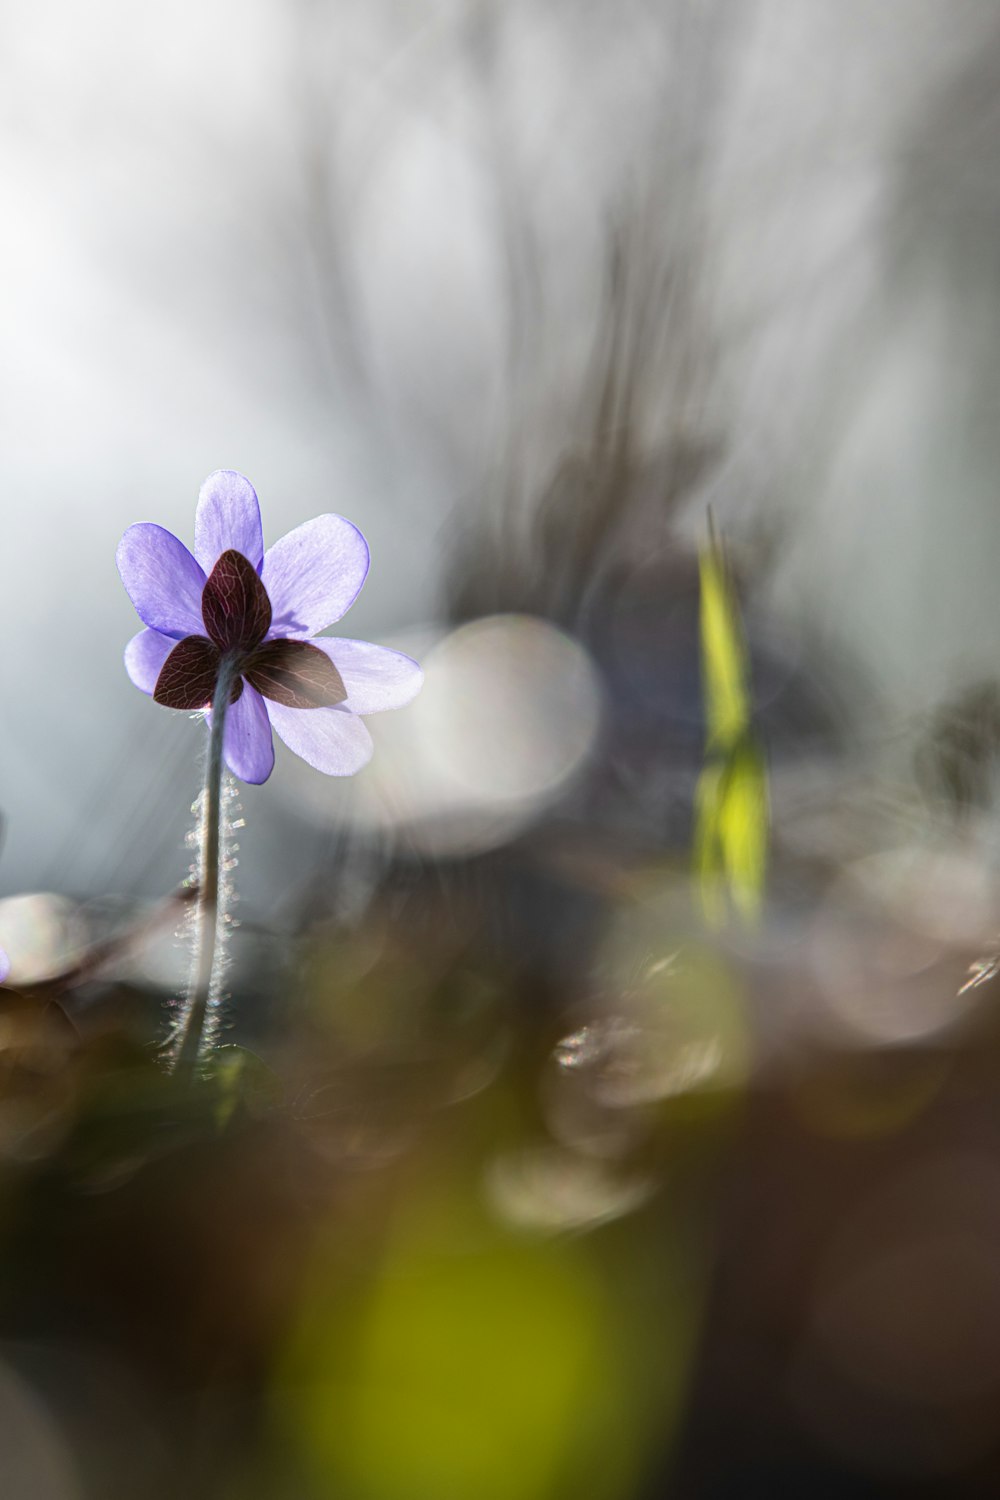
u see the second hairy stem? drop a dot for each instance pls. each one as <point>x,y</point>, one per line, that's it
<point>207,915</point>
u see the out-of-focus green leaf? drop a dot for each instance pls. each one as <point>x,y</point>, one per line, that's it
<point>473,1362</point>
<point>731,802</point>
<point>473,1375</point>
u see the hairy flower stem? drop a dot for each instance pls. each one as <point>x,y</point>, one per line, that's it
<point>207,916</point>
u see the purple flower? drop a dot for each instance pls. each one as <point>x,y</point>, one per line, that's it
<point>263,608</point>
<point>4,966</point>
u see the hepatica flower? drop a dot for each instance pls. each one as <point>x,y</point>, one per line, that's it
<point>260,613</point>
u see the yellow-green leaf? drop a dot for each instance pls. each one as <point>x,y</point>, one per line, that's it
<point>724,663</point>
<point>731,804</point>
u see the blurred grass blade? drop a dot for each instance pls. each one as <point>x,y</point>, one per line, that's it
<point>710,865</point>
<point>731,802</point>
<point>743,828</point>
<point>724,664</point>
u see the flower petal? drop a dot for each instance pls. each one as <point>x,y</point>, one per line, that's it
<point>145,655</point>
<point>162,578</point>
<point>375,677</point>
<point>313,575</point>
<point>187,677</point>
<point>234,605</point>
<point>332,739</point>
<point>296,674</point>
<point>247,744</point>
<point>228,516</point>
<point>4,966</point>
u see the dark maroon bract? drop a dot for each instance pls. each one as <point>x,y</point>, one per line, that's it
<point>237,615</point>
<point>234,604</point>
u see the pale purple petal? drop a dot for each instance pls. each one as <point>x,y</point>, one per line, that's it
<point>375,677</point>
<point>313,576</point>
<point>145,655</point>
<point>247,744</point>
<point>228,516</point>
<point>331,739</point>
<point>4,966</point>
<point>163,580</point>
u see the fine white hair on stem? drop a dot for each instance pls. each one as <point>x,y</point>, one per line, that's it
<point>230,822</point>
<point>196,1029</point>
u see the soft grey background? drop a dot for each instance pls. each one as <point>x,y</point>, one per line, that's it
<point>358,251</point>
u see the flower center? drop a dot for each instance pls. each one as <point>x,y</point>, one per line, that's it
<point>237,616</point>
